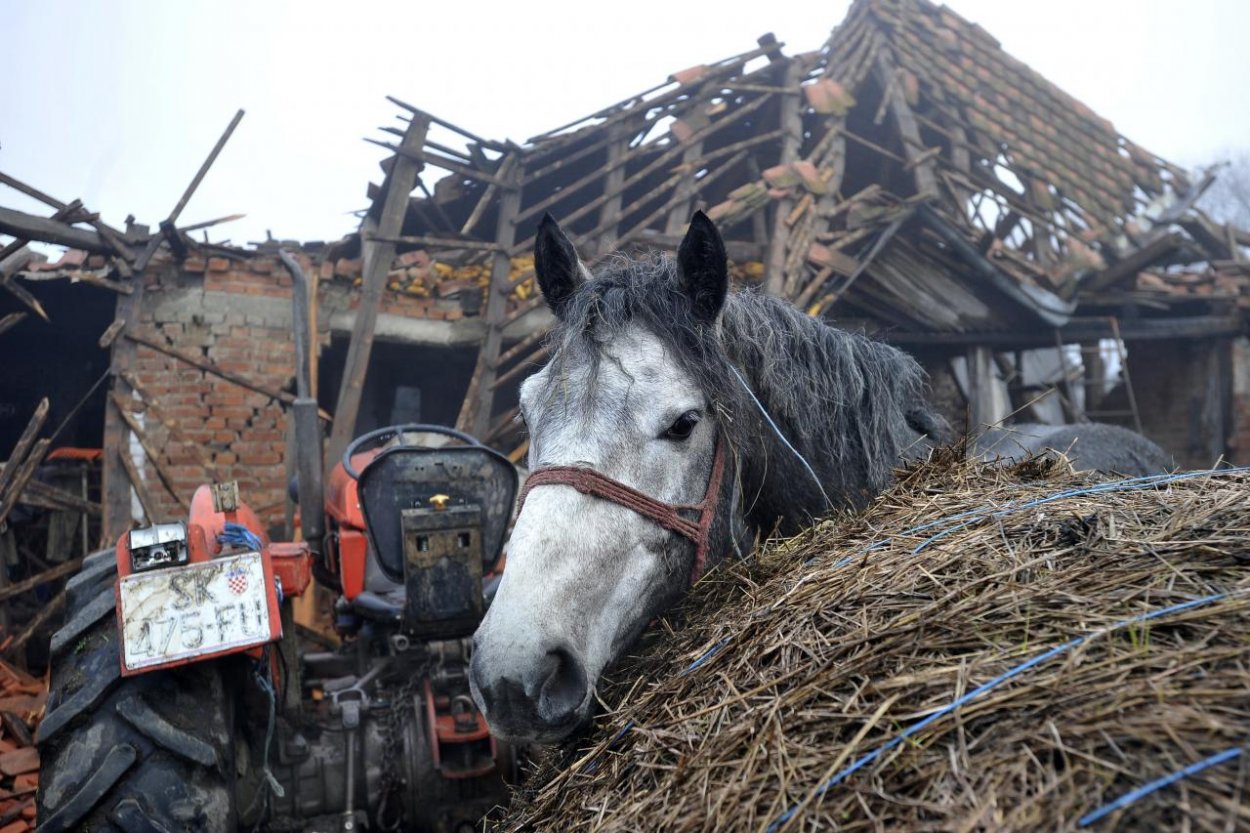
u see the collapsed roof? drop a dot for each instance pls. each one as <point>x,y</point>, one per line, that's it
<point>909,172</point>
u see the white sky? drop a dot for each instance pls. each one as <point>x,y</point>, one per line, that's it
<point>118,102</point>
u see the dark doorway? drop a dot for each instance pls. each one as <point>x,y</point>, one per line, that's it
<point>405,383</point>
<point>60,359</point>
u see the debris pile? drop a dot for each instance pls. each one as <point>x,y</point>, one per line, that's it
<point>467,276</point>
<point>983,649</point>
<point>22,700</point>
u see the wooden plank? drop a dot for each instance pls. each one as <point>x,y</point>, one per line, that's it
<point>19,292</point>
<point>437,242</point>
<point>107,232</point>
<point>488,195</point>
<point>523,310</point>
<point>11,320</point>
<point>424,157</point>
<point>115,489</point>
<point>378,256</point>
<point>61,214</point>
<point>1134,263</point>
<point>45,614</point>
<point>21,476</point>
<point>25,442</point>
<point>63,499</point>
<point>199,175</point>
<point>535,357</point>
<point>563,160</point>
<point>167,225</point>
<point>67,568</point>
<point>31,227</point>
<point>610,211</point>
<point>136,483</point>
<point>520,347</point>
<point>913,146</point>
<point>229,218</point>
<point>153,458</point>
<point>791,143</point>
<point>680,213</point>
<point>1141,329</point>
<point>635,104</point>
<point>641,225</point>
<point>421,115</point>
<point>475,412</point>
<point>656,164</point>
<point>89,277</point>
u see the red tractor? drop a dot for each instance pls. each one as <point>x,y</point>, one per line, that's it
<point>181,699</point>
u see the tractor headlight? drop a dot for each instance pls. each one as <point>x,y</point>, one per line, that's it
<point>162,545</point>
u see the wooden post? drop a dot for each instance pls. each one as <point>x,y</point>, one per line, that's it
<point>981,398</point>
<point>610,213</point>
<point>479,400</point>
<point>679,216</point>
<point>378,256</point>
<point>909,130</point>
<point>791,144</point>
<point>116,485</point>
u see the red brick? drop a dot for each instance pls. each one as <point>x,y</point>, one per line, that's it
<point>218,264</point>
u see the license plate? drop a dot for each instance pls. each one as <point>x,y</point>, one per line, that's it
<point>192,611</point>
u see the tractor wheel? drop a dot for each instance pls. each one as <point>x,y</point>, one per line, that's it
<point>151,753</point>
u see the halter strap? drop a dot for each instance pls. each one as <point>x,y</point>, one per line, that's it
<point>667,515</point>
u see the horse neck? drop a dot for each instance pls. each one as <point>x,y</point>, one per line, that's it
<point>838,399</point>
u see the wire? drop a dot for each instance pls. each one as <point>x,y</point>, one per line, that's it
<point>262,679</point>
<point>1158,784</point>
<point>1015,671</point>
<point>782,436</point>
<point>238,535</point>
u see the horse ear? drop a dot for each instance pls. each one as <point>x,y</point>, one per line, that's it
<point>556,265</point>
<point>703,267</point>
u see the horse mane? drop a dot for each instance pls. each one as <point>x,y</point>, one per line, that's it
<point>849,405</point>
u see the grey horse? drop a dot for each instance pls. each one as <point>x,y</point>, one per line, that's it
<point>676,421</point>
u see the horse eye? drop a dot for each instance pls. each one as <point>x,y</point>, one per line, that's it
<point>682,426</point>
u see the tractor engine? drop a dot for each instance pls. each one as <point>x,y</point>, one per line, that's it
<point>386,735</point>
<point>400,748</point>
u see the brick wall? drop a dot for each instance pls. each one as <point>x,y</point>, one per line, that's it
<point>237,316</point>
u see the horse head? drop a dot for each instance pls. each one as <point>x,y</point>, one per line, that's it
<point>674,420</point>
<point>621,507</point>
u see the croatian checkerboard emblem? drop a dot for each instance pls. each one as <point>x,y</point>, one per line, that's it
<point>237,578</point>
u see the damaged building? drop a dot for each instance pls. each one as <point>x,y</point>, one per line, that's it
<point>909,179</point>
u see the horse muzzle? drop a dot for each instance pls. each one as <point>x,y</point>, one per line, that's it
<point>531,698</point>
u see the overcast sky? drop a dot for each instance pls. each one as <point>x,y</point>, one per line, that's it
<point>118,102</point>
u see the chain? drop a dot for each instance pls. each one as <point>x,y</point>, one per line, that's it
<point>392,725</point>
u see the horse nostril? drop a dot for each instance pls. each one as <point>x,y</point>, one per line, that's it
<point>563,688</point>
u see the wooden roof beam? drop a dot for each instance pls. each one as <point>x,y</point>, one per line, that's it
<point>905,121</point>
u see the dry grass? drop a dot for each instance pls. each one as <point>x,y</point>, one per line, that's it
<point>834,646</point>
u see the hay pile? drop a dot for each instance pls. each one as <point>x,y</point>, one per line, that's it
<point>832,683</point>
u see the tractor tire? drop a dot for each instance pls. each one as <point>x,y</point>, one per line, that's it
<point>151,753</point>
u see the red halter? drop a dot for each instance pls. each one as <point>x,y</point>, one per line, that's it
<point>668,515</point>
